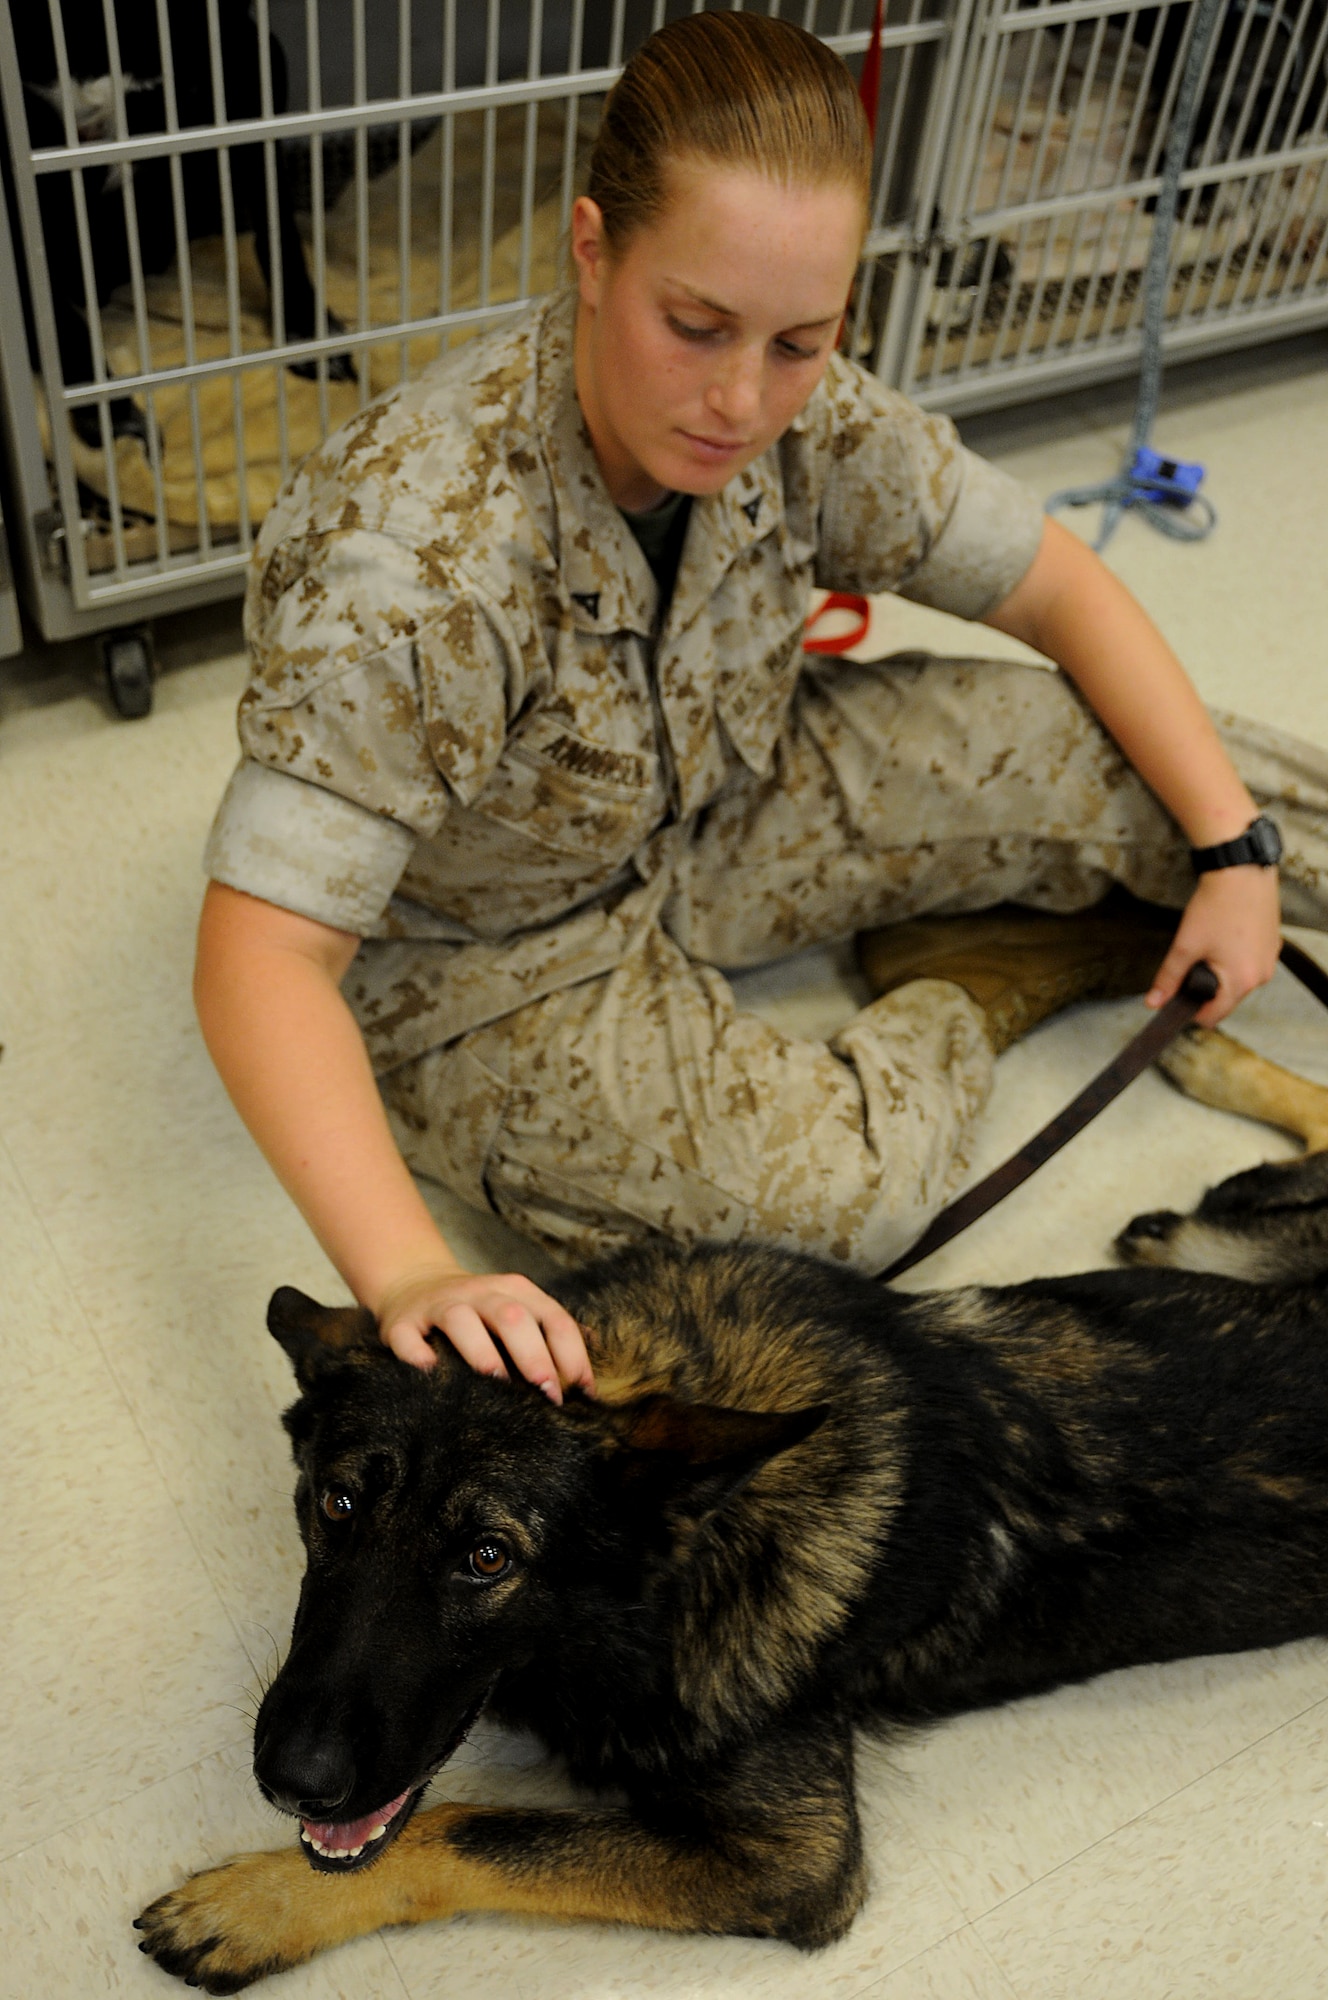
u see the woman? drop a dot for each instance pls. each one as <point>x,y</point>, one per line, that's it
<point>531,748</point>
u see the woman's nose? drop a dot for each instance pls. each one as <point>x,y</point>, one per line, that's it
<point>735,393</point>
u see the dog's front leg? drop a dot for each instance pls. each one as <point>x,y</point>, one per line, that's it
<point>772,1851</point>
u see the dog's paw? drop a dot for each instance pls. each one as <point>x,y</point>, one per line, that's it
<point>224,1929</point>
<point>1199,1063</point>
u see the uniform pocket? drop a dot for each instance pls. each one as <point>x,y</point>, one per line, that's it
<point>564,792</point>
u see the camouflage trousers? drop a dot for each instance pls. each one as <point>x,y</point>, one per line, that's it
<point>645,1100</point>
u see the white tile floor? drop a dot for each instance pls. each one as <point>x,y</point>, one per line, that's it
<point>1159,1833</point>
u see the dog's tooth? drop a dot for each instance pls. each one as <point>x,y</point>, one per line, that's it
<point>375,1833</point>
<point>353,1851</point>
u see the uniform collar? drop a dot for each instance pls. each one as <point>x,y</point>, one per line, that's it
<point>610,583</point>
<point>723,527</point>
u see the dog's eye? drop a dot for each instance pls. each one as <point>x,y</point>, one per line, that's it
<point>337,1504</point>
<point>488,1561</point>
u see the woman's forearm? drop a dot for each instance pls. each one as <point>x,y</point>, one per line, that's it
<point>1071,608</point>
<point>292,1058</point>
<point>290,1053</point>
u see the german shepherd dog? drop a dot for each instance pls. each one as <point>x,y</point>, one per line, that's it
<point>801,1503</point>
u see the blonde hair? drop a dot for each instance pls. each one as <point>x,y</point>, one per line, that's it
<point>738,90</point>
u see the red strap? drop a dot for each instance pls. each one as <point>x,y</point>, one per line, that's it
<point>869,88</point>
<point>838,642</point>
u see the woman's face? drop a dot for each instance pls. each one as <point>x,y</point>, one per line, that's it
<point>698,345</point>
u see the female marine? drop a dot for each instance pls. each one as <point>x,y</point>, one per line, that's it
<point>531,752</point>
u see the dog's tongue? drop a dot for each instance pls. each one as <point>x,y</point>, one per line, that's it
<point>353,1832</point>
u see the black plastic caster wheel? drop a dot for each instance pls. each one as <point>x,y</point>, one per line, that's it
<point>128,661</point>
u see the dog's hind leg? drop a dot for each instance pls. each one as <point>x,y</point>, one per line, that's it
<point>1217,1069</point>
<point>772,1852</point>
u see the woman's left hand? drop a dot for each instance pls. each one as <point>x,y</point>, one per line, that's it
<point>1233,922</point>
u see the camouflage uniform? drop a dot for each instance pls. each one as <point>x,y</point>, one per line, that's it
<point>471,739</point>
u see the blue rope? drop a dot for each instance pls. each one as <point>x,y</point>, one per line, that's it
<point>1165,491</point>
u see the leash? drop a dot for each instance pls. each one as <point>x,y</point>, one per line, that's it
<point>1199,987</point>
<point>1164,490</point>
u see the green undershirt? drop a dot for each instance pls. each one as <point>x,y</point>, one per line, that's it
<point>661,531</point>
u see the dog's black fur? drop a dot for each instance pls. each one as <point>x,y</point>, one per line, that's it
<point>801,1504</point>
<point>145,111</point>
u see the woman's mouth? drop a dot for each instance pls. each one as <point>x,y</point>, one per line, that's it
<point>714,450</point>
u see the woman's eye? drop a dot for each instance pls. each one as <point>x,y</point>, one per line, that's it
<point>687,332</point>
<point>796,353</point>
<point>489,1561</point>
<point>337,1504</point>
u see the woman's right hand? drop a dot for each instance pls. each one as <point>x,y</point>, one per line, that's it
<point>539,1337</point>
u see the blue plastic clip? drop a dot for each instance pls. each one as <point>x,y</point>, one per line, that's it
<point>1169,480</point>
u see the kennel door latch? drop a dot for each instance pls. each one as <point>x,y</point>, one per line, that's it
<point>48,530</point>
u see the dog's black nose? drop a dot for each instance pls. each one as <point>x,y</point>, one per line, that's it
<point>305,1770</point>
<point>1159,1224</point>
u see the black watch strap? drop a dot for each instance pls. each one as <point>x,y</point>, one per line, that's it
<point>1260,844</point>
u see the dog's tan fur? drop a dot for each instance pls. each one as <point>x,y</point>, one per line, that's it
<point>1212,1066</point>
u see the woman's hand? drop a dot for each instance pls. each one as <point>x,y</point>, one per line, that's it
<point>1233,921</point>
<point>539,1337</point>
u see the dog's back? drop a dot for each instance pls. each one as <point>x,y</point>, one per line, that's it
<point>1012,1487</point>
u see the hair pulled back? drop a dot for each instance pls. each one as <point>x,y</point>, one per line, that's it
<point>738,90</point>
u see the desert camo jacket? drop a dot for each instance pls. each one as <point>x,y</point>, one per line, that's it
<point>471,738</point>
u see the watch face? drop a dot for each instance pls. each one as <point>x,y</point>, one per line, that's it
<point>1267,842</point>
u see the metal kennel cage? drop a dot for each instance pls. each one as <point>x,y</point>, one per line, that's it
<point>232,224</point>
<point>11,630</point>
<point>231,238</point>
<point>1032,278</point>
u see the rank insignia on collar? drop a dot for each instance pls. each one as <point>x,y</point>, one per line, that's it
<point>588,600</point>
<point>751,508</point>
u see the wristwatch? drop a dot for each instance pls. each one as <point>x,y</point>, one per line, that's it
<point>1261,843</point>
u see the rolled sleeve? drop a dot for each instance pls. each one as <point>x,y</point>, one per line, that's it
<point>905,507</point>
<point>306,849</point>
<point>987,544</point>
<point>378,698</point>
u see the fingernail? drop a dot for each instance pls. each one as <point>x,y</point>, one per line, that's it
<point>552,1391</point>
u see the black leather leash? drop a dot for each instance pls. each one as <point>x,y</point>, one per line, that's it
<point>1199,987</point>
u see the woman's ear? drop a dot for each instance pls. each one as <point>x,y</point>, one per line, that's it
<point>589,248</point>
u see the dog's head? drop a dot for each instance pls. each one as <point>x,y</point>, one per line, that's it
<point>459,1529</point>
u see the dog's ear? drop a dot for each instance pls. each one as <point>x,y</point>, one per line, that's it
<point>699,1455</point>
<point>316,1337</point>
